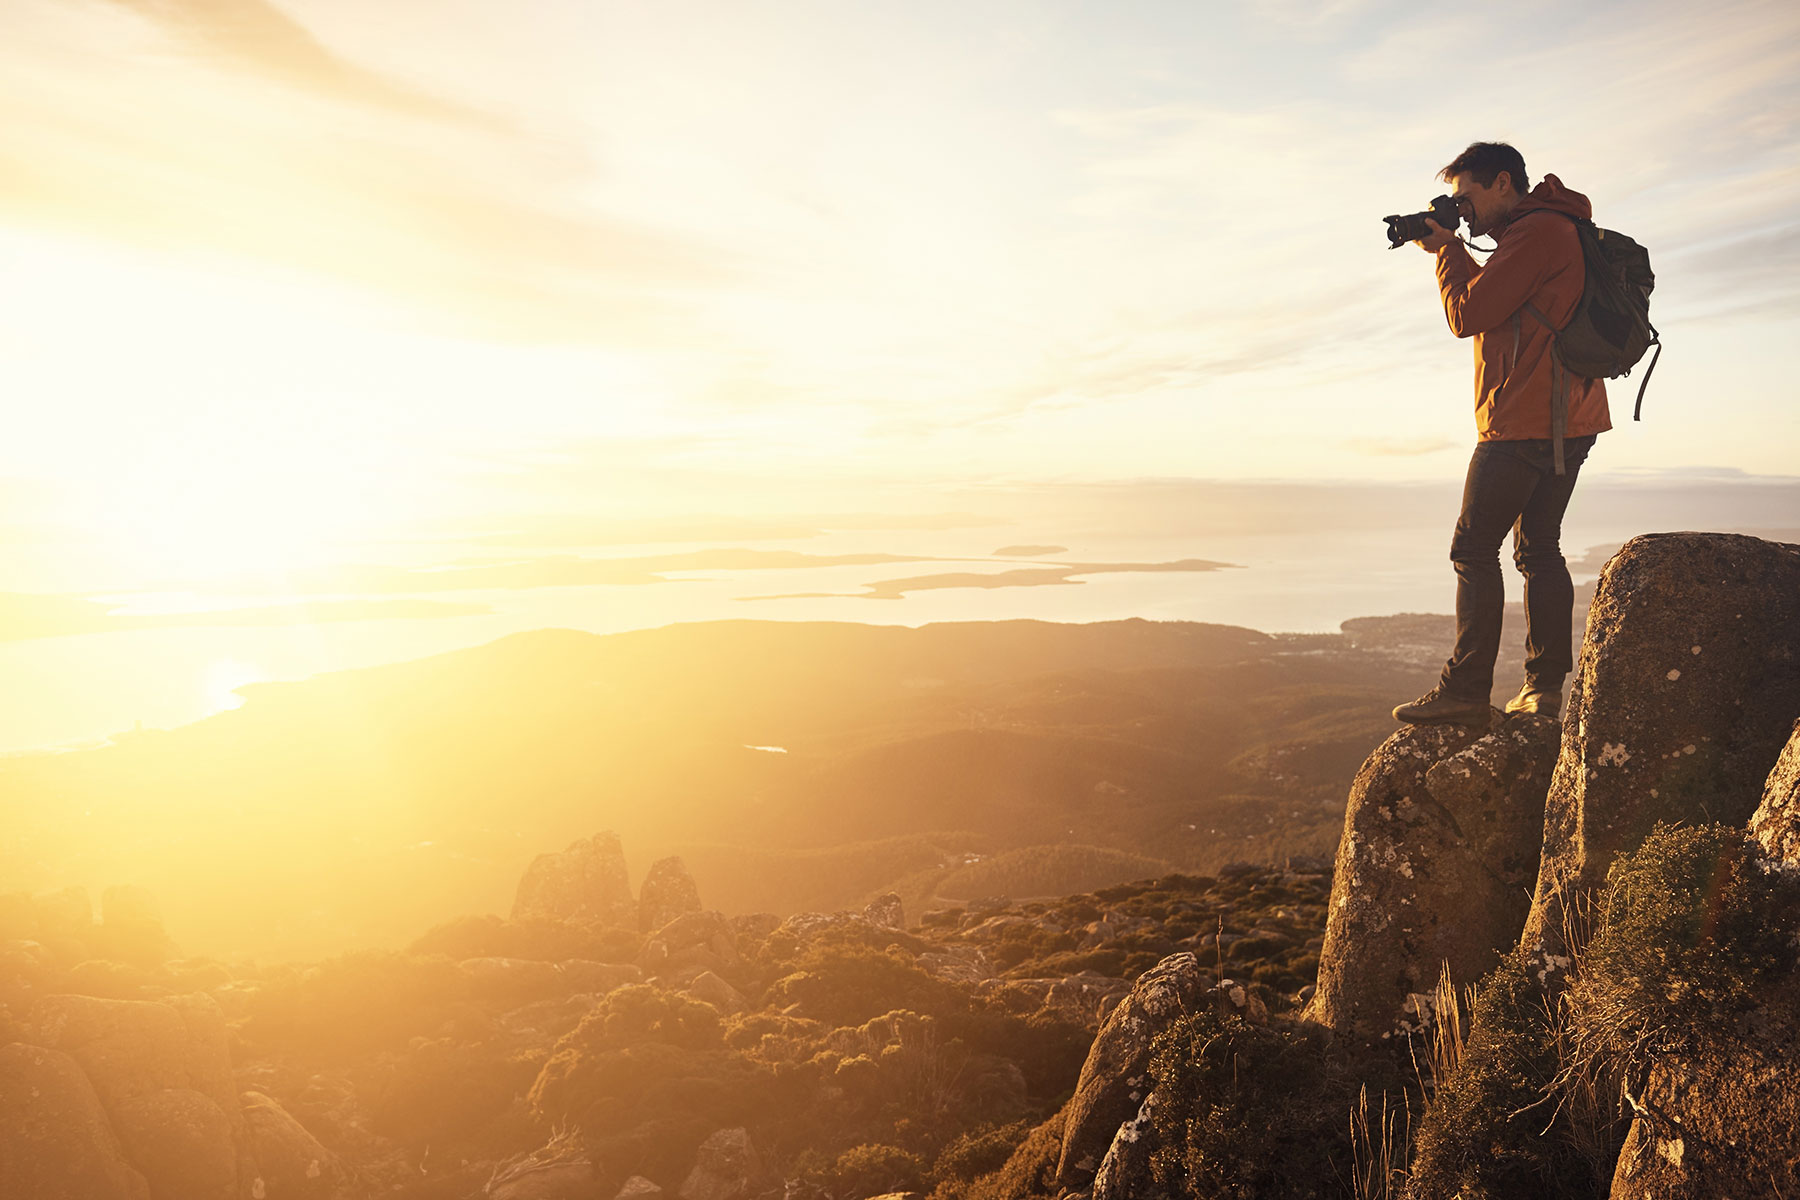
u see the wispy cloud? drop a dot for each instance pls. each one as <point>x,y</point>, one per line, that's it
<point>227,128</point>
<point>260,38</point>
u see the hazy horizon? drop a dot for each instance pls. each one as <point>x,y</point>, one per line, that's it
<point>1273,557</point>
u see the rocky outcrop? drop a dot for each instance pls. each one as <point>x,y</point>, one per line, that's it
<point>1776,821</point>
<point>1721,1120</point>
<point>585,975</point>
<point>1440,843</point>
<point>562,1169</point>
<point>723,1169</point>
<point>56,1142</point>
<point>688,946</point>
<point>1115,1080</point>
<point>1721,1115</point>
<point>586,883</point>
<point>291,1164</point>
<point>162,1072</point>
<point>885,912</point>
<point>1125,1171</point>
<point>711,989</point>
<point>668,892</point>
<point>1687,689</point>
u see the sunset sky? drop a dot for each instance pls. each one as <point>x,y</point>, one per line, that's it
<point>286,278</point>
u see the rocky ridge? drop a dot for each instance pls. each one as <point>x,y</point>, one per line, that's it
<point>469,1065</point>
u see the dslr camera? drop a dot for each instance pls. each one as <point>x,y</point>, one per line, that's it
<point>1412,227</point>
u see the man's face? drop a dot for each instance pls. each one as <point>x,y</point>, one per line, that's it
<point>1484,207</point>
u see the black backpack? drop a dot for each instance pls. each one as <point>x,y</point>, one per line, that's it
<point>1610,329</point>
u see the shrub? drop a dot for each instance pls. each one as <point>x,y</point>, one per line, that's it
<point>848,984</point>
<point>872,1171</point>
<point>639,1012</point>
<point>1029,1172</point>
<point>978,1152</point>
<point>1247,1112</point>
<point>1689,927</point>
<point>1491,1129</point>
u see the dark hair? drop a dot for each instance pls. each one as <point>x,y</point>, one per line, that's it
<point>1484,161</point>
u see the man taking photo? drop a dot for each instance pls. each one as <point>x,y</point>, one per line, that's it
<point>1535,424</point>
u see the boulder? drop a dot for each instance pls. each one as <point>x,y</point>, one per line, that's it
<point>1125,1171</point>
<point>585,975</point>
<point>586,883</point>
<point>1776,821</point>
<point>56,1142</point>
<point>885,912</point>
<point>1440,847</point>
<point>1114,1079</point>
<point>1687,690</point>
<point>113,980</point>
<point>702,941</point>
<point>639,1188</point>
<point>182,1141</point>
<point>958,964</point>
<point>162,1071</point>
<point>1722,1117</point>
<point>1085,999</point>
<point>755,925</point>
<point>711,989</point>
<point>668,892</point>
<point>291,1164</point>
<point>723,1169</point>
<point>562,1169</point>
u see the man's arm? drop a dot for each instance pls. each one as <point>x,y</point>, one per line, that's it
<point>1477,300</point>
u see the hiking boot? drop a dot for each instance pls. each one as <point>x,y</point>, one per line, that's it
<point>1435,708</point>
<point>1532,699</point>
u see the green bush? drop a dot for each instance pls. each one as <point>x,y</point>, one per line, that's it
<point>1248,1112</point>
<point>978,1152</point>
<point>848,984</point>
<point>1689,927</point>
<point>1493,1126</point>
<point>872,1171</point>
<point>1029,1172</point>
<point>639,1012</point>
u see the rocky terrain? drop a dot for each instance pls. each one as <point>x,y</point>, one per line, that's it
<point>1551,959</point>
<point>598,1043</point>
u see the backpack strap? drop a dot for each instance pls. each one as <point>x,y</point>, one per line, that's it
<point>1559,409</point>
<point>1559,385</point>
<point>1637,413</point>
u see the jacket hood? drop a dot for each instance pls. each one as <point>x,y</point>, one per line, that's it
<point>1550,195</point>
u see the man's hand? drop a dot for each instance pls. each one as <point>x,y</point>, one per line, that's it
<point>1439,238</point>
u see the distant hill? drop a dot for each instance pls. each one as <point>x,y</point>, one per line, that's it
<point>795,765</point>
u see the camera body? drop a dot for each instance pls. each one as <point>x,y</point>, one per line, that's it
<point>1412,227</point>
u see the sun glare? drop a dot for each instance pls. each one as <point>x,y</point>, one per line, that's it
<point>223,677</point>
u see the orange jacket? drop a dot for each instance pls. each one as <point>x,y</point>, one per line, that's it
<point>1538,262</point>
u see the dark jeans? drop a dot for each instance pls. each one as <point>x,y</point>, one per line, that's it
<point>1513,485</point>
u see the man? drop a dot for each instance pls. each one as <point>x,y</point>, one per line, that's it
<point>1522,473</point>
